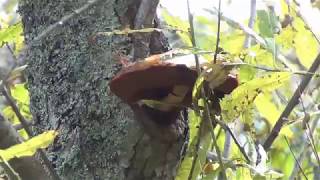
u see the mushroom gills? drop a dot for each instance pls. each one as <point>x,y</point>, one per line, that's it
<point>172,101</point>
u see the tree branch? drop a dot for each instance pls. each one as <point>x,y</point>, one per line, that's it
<point>27,128</point>
<point>291,104</point>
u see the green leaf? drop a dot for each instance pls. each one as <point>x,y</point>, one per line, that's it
<point>10,115</point>
<point>186,164</point>
<point>243,173</point>
<point>255,55</point>
<point>262,56</point>
<point>20,93</point>
<point>240,101</point>
<point>12,34</point>
<point>233,43</point>
<point>197,87</point>
<point>205,143</point>
<point>175,21</point>
<point>28,148</point>
<point>264,23</point>
<point>205,33</point>
<point>268,23</point>
<point>246,73</point>
<point>279,156</point>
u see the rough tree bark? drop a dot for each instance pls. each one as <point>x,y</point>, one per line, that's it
<point>68,77</point>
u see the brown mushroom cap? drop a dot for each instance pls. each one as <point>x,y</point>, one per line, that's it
<point>152,79</point>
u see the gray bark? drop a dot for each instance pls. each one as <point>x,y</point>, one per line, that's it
<point>68,77</point>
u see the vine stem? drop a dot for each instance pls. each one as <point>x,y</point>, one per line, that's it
<point>193,41</point>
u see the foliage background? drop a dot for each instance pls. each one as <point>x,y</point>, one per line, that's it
<point>251,123</point>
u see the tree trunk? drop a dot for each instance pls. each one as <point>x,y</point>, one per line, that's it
<point>68,73</point>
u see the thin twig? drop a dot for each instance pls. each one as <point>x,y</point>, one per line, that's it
<point>197,147</point>
<point>298,163</point>
<point>195,158</point>
<point>227,128</point>
<point>207,110</point>
<point>313,146</point>
<point>15,109</point>
<point>241,26</point>
<point>27,128</point>
<point>214,139</point>
<point>218,34</point>
<point>247,41</point>
<point>260,40</point>
<point>12,53</point>
<point>13,174</point>
<point>193,39</point>
<point>227,145</point>
<point>19,126</point>
<point>309,133</point>
<point>291,104</point>
<point>294,100</point>
<point>303,153</point>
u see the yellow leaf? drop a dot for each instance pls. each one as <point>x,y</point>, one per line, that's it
<point>12,34</point>
<point>233,43</point>
<point>240,101</point>
<point>284,8</point>
<point>20,93</point>
<point>197,87</point>
<point>305,44</point>
<point>306,47</point>
<point>29,147</point>
<point>266,108</point>
<point>285,38</point>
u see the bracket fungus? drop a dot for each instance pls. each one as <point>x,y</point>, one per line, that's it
<point>167,86</point>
